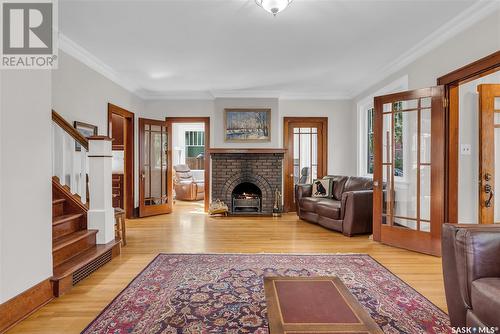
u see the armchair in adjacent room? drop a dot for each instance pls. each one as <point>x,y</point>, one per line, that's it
<point>185,185</point>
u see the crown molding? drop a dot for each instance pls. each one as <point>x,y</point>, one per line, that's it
<point>321,97</point>
<point>258,94</point>
<point>76,51</point>
<point>459,23</point>
<point>175,95</point>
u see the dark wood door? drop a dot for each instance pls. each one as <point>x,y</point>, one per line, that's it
<point>489,135</point>
<point>306,141</point>
<point>155,156</point>
<point>409,145</point>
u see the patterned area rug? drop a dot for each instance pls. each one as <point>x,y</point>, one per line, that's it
<point>204,293</point>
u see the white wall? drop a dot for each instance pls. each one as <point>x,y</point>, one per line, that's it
<point>468,167</point>
<point>341,129</point>
<point>341,122</point>
<point>235,103</point>
<point>25,178</point>
<point>81,94</point>
<point>478,41</point>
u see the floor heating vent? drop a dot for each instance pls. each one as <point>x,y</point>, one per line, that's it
<point>92,266</point>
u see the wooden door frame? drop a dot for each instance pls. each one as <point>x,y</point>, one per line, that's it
<point>452,82</point>
<point>430,242</point>
<point>155,210</point>
<point>129,154</point>
<point>287,141</point>
<point>206,122</point>
<point>487,94</point>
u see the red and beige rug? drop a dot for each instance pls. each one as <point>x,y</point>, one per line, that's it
<point>205,293</point>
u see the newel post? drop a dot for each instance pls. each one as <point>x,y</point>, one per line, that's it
<point>101,213</point>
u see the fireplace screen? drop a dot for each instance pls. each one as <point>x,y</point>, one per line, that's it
<point>247,197</point>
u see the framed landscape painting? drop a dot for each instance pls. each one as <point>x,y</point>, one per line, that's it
<point>86,130</point>
<point>247,125</point>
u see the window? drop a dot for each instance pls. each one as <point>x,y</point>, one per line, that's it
<point>195,149</point>
<point>369,145</point>
<point>398,139</point>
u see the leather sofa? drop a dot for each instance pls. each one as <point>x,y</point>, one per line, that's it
<point>348,211</point>
<point>471,269</point>
<point>186,187</point>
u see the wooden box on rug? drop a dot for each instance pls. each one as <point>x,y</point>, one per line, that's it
<point>314,305</point>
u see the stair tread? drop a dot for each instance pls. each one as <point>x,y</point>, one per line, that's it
<point>70,266</point>
<point>70,238</point>
<point>58,200</point>
<point>64,218</point>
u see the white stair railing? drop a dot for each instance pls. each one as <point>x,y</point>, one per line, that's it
<point>69,156</point>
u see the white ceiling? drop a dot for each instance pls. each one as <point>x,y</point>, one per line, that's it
<point>315,48</point>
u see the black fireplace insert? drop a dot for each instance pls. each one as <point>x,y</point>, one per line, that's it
<point>247,197</point>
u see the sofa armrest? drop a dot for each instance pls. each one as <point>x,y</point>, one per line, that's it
<point>357,212</point>
<point>469,252</point>
<point>477,251</point>
<point>302,190</point>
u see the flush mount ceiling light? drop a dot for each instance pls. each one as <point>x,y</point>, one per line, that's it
<point>273,6</point>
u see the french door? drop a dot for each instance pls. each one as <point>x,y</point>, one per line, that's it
<point>409,146</point>
<point>155,156</point>
<point>489,152</point>
<point>305,139</point>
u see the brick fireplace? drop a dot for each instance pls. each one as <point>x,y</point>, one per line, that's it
<point>246,179</point>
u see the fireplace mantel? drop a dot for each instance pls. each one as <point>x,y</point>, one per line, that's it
<point>247,150</point>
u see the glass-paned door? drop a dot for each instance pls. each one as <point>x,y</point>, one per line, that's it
<point>305,160</point>
<point>409,169</point>
<point>155,181</point>
<point>489,152</point>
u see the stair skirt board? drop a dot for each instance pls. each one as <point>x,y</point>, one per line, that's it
<point>63,284</point>
<point>75,253</point>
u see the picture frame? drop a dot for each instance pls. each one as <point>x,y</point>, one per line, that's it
<point>247,125</point>
<point>86,130</point>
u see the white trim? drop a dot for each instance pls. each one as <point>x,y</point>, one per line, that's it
<point>211,95</point>
<point>459,23</point>
<point>325,97</point>
<point>176,95</point>
<point>75,50</point>
<point>246,94</point>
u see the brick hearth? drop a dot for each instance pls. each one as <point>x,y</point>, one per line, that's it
<point>264,169</point>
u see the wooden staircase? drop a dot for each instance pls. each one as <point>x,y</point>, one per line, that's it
<point>74,250</point>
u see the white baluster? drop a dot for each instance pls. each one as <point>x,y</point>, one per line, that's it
<point>58,152</point>
<point>83,175</point>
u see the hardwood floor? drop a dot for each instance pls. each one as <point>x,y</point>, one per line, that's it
<point>189,230</point>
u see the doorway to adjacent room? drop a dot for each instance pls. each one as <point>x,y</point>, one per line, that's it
<point>121,130</point>
<point>190,162</point>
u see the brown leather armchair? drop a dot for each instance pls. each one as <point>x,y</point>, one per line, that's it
<point>349,210</point>
<point>186,187</point>
<point>471,269</point>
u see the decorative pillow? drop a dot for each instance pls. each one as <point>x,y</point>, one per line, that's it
<point>322,188</point>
